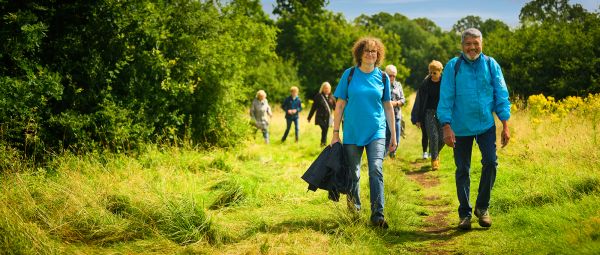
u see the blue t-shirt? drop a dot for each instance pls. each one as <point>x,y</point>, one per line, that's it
<point>364,117</point>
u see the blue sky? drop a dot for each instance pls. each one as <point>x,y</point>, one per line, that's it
<point>444,13</point>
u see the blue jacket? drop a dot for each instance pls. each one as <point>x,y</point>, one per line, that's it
<point>290,103</point>
<point>468,101</point>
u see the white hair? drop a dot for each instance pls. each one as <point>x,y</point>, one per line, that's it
<point>391,69</point>
<point>471,32</point>
<point>261,93</point>
<point>324,84</point>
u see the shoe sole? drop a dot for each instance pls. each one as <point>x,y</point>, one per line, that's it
<point>485,225</point>
<point>464,227</point>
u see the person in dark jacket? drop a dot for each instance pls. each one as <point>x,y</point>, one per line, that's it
<point>426,106</point>
<point>415,116</point>
<point>323,105</point>
<point>292,106</point>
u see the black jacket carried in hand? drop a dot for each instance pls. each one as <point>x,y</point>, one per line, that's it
<point>329,172</point>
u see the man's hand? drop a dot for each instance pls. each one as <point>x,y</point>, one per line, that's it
<point>449,138</point>
<point>505,134</point>
<point>419,125</point>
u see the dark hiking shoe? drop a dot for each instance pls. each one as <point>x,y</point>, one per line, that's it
<point>465,223</point>
<point>484,217</point>
<point>381,224</point>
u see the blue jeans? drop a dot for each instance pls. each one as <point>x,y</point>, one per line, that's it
<point>375,154</point>
<point>289,125</point>
<point>462,159</point>
<point>388,136</point>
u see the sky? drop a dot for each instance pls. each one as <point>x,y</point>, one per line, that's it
<point>444,13</point>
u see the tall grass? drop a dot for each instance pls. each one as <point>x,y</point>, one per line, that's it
<point>250,199</point>
<point>547,194</point>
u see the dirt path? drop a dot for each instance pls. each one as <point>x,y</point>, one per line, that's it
<point>438,228</point>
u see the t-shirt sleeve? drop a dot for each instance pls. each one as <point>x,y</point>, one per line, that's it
<point>341,91</point>
<point>386,88</point>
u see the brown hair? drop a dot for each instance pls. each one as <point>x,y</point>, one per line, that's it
<point>359,48</point>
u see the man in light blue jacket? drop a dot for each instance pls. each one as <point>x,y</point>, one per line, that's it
<point>472,89</point>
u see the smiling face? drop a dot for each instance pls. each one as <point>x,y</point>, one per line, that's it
<point>370,52</point>
<point>472,47</point>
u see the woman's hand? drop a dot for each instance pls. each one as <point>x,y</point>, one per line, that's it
<point>335,138</point>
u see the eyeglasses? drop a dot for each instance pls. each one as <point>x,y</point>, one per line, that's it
<point>370,51</point>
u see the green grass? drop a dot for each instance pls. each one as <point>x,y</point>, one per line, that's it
<point>251,200</point>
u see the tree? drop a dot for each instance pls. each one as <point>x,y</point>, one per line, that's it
<point>467,22</point>
<point>551,11</point>
<point>418,44</point>
<point>114,74</point>
<point>492,25</point>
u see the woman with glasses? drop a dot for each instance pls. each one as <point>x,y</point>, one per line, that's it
<point>363,101</point>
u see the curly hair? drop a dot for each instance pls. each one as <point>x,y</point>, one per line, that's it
<point>359,48</point>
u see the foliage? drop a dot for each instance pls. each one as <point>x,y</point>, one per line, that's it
<point>420,42</point>
<point>160,201</point>
<point>114,74</point>
<point>534,60</point>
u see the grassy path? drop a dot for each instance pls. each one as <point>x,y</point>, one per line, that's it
<point>251,200</point>
<point>436,220</point>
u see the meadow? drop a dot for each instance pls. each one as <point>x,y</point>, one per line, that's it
<point>250,199</point>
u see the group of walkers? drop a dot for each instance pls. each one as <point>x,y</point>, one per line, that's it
<point>454,106</point>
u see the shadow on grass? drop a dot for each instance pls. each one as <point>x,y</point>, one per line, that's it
<point>394,237</point>
<point>338,226</point>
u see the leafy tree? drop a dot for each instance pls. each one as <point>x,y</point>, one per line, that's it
<point>551,11</point>
<point>467,22</point>
<point>114,74</point>
<point>419,45</point>
<point>534,58</point>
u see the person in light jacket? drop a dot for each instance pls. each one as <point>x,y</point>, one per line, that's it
<point>397,102</point>
<point>472,89</point>
<point>260,112</point>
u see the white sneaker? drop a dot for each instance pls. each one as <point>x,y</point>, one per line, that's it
<point>425,155</point>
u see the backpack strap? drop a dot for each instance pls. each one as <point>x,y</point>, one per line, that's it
<point>460,60</point>
<point>350,75</point>
<point>385,80</point>
<point>383,76</point>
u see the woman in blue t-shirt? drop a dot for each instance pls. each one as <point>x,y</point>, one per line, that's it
<point>363,101</point>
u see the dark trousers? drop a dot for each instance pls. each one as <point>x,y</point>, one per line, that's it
<point>434,133</point>
<point>324,130</point>
<point>462,158</point>
<point>289,125</point>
